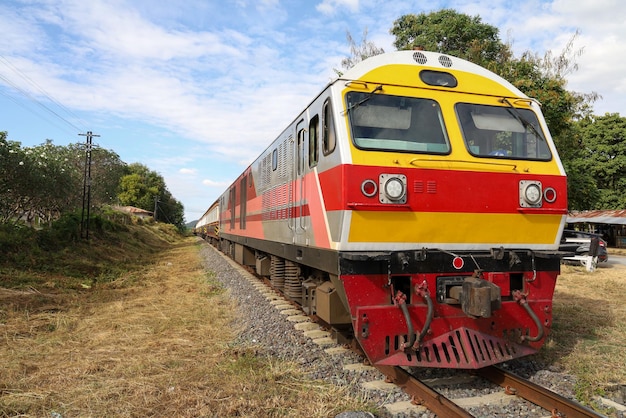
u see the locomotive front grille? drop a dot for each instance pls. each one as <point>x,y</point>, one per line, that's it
<point>462,348</point>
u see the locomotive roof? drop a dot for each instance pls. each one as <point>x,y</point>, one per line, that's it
<point>432,60</point>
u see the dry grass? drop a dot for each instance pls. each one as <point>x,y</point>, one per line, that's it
<point>588,337</point>
<point>157,341</point>
<point>154,342</point>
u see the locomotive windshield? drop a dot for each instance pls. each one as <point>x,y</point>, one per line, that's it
<point>501,132</point>
<point>395,123</point>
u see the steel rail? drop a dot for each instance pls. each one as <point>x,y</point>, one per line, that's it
<point>558,405</point>
<point>423,394</point>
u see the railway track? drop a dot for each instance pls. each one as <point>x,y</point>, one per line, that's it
<point>545,398</point>
<point>421,393</point>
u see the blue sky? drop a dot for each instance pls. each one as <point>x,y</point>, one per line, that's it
<point>196,90</point>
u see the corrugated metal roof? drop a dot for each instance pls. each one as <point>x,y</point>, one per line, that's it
<point>614,217</point>
<point>133,210</point>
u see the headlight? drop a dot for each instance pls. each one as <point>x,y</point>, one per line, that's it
<point>392,188</point>
<point>530,193</point>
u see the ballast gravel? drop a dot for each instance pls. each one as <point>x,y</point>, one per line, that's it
<point>263,328</point>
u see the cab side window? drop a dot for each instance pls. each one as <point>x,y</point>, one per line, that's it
<point>314,126</point>
<point>329,140</point>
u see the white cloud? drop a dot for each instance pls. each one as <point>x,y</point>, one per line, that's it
<point>330,7</point>
<point>217,184</point>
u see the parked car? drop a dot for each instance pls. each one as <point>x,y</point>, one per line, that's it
<point>583,244</point>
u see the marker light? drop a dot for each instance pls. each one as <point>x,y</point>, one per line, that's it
<point>369,188</point>
<point>549,195</point>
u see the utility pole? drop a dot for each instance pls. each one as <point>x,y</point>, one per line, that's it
<point>156,207</point>
<point>84,224</point>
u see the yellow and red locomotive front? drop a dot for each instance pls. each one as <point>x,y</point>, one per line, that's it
<point>434,207</point>
<point>456,199</point>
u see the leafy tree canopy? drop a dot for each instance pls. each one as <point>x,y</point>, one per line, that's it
<point>146,189</point>
<point>46,181</point>
<point>452,33</point>
<point>603,157</point>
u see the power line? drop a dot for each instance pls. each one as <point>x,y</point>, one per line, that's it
<point>30,81</point>
<point>27,94</point>
<point>33,111</point>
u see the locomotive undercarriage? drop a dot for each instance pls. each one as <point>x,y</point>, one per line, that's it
<point>428,308</point>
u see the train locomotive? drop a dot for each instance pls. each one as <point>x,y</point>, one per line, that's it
<point>418,200</point>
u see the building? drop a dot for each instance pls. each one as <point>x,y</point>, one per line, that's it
<point>140,213</point>
<point>611,224</point>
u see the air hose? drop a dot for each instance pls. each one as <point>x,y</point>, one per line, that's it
<point>400,300</point>
<point>521,299</point>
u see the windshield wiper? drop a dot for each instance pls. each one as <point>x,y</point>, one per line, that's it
<point>517,115</point>
<point>365,99</point>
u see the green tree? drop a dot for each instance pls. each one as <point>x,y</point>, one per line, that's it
<point>170,210</point>
<point>604,158</point>
<point>55,179</point>
<point>46,181</point>
<point>32,181</point>
<point>582,188</point>
<point>140,187</point>
<point>452,33</point>
<point>146,189</point>
<point>107,170</point>
<point>53,190</point>
<point>15,169</point>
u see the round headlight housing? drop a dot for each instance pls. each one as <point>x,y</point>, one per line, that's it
<point>531,193</point>
<point>392,188</point>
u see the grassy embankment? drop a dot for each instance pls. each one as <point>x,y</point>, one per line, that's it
<point>588,337</point>
<point>131,324</point>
